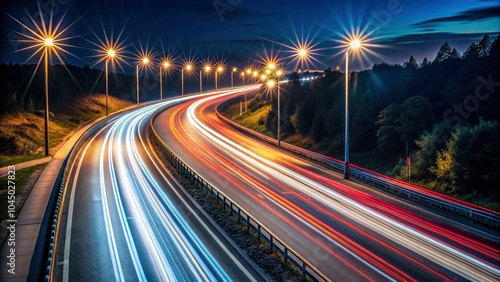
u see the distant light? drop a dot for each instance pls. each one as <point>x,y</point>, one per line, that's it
<point>279,72</point>
<point>249,71</point>
<point>268,71</point>
<point>111,53</point>
<point>302,53</point>
<point>48,41</point>
<point>255,73</point>
<point>271,83</point>
<point>145,60</point>
<point>207,68</point>
<point>219,69</point>
<point>271,66</point>
<point>234,69</point>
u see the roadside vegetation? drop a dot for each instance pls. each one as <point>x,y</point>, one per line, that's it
<point>24,181</point>
<point>445,111</point>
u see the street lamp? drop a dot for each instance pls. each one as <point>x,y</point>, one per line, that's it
<point>110,55</point>
<point>165,65</point>
<point>354,44</point>
<point>275,75</point>
<point>207,69</point>
<point>255,74</point>
<point>232,82</point>
<point>302,53</point>
<point>188,67</point>
<point>48,43</point>
<point>243,77</point>
<point>144,62</point>
<point>219,69</point>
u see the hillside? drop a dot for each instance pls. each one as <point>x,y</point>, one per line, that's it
<point>22,133</point>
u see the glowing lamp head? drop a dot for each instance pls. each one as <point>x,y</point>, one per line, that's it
<point>234,69</point>
<point>219,69</point>
<point>268,71</point>
<point>255,73</point>
<point>271,66</point>
<point>302,53</point>
<point>242,73</point>
<point>145,60</point>
<point>48,41</point>
<point>111,53</point>
<point>166,64</point>
<point>263,76</point>
<point>207,68</point>
<point>279,73</point>
<point>355,44</point>
<point>249,71</point>
<point>270,83</point>
<point>189,67</point>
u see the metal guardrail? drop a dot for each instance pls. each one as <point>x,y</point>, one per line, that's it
<point>263,233</point>
<point>419,195</point>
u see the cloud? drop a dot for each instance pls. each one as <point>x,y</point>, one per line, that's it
<point>467,15</point>
<point>432,37</point>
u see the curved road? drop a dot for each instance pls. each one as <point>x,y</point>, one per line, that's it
<point>126,218</point>
<point>349,231</point>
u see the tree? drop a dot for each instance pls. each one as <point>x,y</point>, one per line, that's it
<point>454,54</point>
<point>472,52</point>
<point>484,46</point>
<point>444,53</point>
<point>428,144</point>
<point>416,115</point>
<point>425,63</point>
<point>471,160</point>
<point>387,133</point>
<point>411,64</point>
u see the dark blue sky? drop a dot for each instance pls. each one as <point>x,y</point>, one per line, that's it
<point>243,28</point>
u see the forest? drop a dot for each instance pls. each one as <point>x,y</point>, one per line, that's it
<point>443,114</point>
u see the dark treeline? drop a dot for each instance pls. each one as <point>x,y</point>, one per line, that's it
<point>445,109</point>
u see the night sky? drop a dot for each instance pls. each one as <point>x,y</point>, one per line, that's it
<point>240,30</point>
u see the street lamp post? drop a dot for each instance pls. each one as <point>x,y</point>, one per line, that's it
<point>188,68</point>
<point>275,74</point>
<point>111,55</point>
<point>165,66</point>
<point>207,69</point>
<point>232,79</point>
<point>219,69</point>
<point>144,61</point>
<point>278,75</point>
<point>354,44</point>
<point>48,44</point>
<point>243,78</point>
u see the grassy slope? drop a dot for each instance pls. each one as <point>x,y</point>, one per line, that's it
<point>27,129</point>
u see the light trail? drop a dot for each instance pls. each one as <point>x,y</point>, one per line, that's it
<point>251,167</point>
<point>142,226</point>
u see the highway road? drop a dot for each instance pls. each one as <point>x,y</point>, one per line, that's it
<point>349,231</point>
<point>126,218</point>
